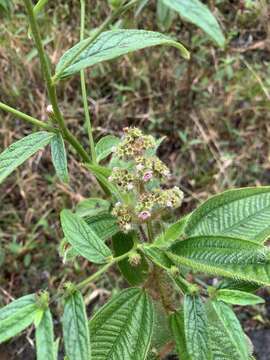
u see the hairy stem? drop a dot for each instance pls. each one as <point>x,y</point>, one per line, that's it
<point>27,118</point>
<point>115,14</point>
<point>50,86</point>
<point>84,93</point>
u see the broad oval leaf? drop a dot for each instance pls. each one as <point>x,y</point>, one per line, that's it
<point>158,257</point>
<point>17,316</point>
<point>59,158</point>
<point>242,213</point>
<point>21,150</point>
<point>198,14</point>
<point>45,346</point>
<point>105,146</point>
<point>92,206</point>
<point>122,329</point>
<point>103,224</point>
<point>122,243</point>
<point>83,239</point>
<point>224,256</point>
<point>177,325</point>
<point>75,328</point>
<point>237,297</point>
<point>112,44</point>
<point>227,339</point>
<point>196,328</point>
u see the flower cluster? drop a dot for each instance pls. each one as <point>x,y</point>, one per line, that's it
<point>140,182</point>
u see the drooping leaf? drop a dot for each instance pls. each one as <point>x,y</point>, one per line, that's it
<point>59,158</point>
<point>122,328</point>
<point>122,243</point>
<point>21,150</point>
<point>172,233</point>
<point>83,239</point>
<point>92,206</point>
<point>17,316</point>
<point>178,329</point>
<point>237,297</point>
<point>196,328</point>
<point>224,256</point>
<point>45,338</point>
<point>198,14</point>
<point>110,45</point>
<point>105,146</point>
<point>228,341</point>
<point>165,15</point>
<point>242,213</point>
<point>76,329</point>
<point>103,224</point>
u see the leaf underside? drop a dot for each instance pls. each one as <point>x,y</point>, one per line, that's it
<point>45,338</point>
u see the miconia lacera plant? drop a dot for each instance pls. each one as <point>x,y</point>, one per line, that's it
<point>165,310</point>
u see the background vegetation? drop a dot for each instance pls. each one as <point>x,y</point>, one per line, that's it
<point>213,110</point>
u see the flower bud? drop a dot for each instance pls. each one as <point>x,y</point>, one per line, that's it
<point>147,176</point>
<point>144,215</point>
<point>134,259</point>
<point>49,110</point>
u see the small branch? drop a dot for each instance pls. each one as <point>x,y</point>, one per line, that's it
<point>27,118</point>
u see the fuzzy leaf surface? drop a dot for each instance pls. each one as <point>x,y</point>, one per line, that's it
<point>242,213</point>
<point>45,346</point>
<point>237,297</point>
<point>103,224</point>
<point>17,316</point>
<point>59,158</point>
<point>122,329</point>
<point>76,329</point>
<point>198,14</point>
<point>177,325</point>
<point>105,145</point>
<point>83,239</point>
<point>21,150</point>
<point>92,206</point>
<point>112,44</point>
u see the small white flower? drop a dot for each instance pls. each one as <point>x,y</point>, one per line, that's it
<point>110,178</point>
<point>169,204</point>
<point>118,204</point>
<point>130,186</point>
<point>114,148</point>
<point>139,167</point>
<point>167,173</point>
<point>128,227</point>
<point>49,110</point>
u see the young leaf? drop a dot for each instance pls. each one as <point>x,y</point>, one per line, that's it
<point>224,256</point>
<point>92,206</point>
<point>227,339</point>
<point>104,225</point>
<point>122,243</point>
<point>110,45</point>
<point>17,316</point>
<point>21,150</point>
<point>45,338</point>
<point>158,256</point>
<point>59,158</point>
<point>105,146</point>
<point>242,213</point>
<point>198,14</point>
<point>196,328</point>
<point>178,329</point>
<point>172,233</point>
<point>76,329</point>
<point>122,328</point>
<point>83,239</point>
<point>237,297</point>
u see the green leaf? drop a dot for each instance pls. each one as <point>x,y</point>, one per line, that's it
<point>76,329</point>
<point>238,285</point>
<point>177,325</point>
<point>198,14</point>
<point>122,328</point>
<point>83,239</point>
<point>165,15</point>
<point>92,206</point>
<point>172,233</point>
<point>158,256</point>
<point>21,150</point>
<point>196,328</point>
<point>110,45</point>
<point>224,256</point>
<point>104,225</point>
<point>122,243</point>
<point>45,338</point>
<point>162,334</point>
<point>242,213</point>
<point>227,339</point>
<point>237,297</point>
<point>105,146</point>
<point>39,6</point>
<point>59,158</point>
<point>17,316</point>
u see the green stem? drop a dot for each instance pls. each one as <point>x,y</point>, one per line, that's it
<point>27,118</point>
<point>150,231</point>
<point>97,274</point>
<point>115,14</point>
<point>84,93</point>
<point>50,86</point>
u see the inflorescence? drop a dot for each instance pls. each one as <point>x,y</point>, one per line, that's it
<point>141,181</point>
